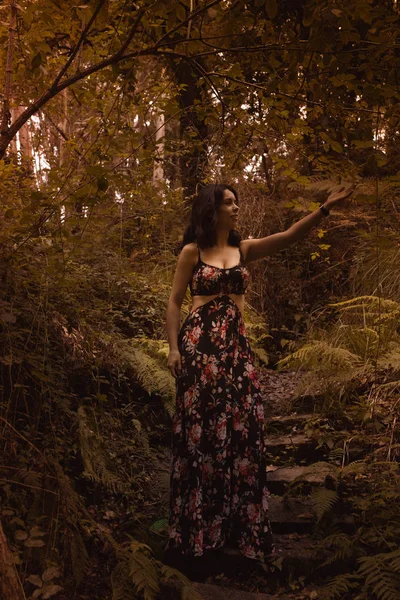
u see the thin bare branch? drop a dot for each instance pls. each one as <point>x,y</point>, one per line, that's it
<point>78,44</point>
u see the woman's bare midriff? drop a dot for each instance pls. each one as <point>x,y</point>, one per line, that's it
<point>198,301</point>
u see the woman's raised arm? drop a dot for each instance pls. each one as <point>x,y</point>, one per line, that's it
<point>254,249</point>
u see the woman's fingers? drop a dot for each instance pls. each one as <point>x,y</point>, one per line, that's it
<point>175,368</point>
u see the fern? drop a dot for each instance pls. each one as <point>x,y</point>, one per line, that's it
<point>323,501</point>
<point>95,459</point>
<point>174,578</point>
<point>150,375</point>
<point>320,355</point>
<point>339,586</point>
<point>143,571</point>
<point>394,560</point>
<point>79,555</point>
<point>363,301</point>
<point>343,548</point>
<point>137,572</point>
<point>383,583</point>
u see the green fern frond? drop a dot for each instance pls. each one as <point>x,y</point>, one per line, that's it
<point>341,547</point>
<point>356,467</point>
<point>135,573</point>
<point>79,556</point>
<point>339,586</point>
<point>96,462</point>
<point>122,588</point>
<point>151,375</point>
<point>321,356</point>
<point>143,571</point>
<point>383,583</point>
<point>335,455</point>
<point>364,301</point>
<point>393,559</point>
<point>323,500</point>
<point>391,359</point>
<point>157,349</point>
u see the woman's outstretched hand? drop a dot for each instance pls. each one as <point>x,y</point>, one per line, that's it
<point>339,194</point>
<point>174,362</point>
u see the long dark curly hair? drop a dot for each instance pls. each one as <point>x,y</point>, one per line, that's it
<point>203,217</point>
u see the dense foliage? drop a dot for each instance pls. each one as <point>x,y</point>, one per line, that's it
<point>112,113</point>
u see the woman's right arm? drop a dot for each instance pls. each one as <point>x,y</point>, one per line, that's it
<point>182,276</point>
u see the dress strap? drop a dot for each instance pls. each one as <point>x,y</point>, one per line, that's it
<point>241,254</point>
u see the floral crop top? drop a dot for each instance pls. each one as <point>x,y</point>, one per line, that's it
<point>208,280</point>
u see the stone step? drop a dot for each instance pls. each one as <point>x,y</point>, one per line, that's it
<point>291,515</point>
<point>295,555</point>
<point>208,591</point>
<point>318,474</point>
<point>297,515</point>
<point>288,422</point>
<point>299,447</point>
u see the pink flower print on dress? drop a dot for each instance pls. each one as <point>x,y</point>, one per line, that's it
<point>238,424</point>
<point>208,469</point>
<point>221,429</point>
<point>260,412</point>
<point>198,543</point>
<point>194,499</point>
<point>253,511</point>
<point>194,436</point>
<point>265,501</point>
<point>189,396</point>
<point>251,372</point>
<point>191,339</point>
<point>210,372</point>
<point>244,466</point>
<point>176,426</point>
<point>214,531</point>
<point>249,551</point>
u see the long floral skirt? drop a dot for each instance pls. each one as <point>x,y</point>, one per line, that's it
<point>218,490</point>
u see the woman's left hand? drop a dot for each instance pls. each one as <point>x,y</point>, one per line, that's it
<point>338,195</point>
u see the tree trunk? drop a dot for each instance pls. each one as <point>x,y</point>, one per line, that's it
<point>10,587</point>
<point>192,96</point>
<point>158,168</point>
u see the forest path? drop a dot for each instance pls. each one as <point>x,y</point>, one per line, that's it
<point>291,454</point>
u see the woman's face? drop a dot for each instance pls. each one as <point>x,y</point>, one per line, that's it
<point>227,212</point>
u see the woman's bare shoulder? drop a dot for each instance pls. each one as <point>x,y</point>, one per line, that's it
<point>188,254</point>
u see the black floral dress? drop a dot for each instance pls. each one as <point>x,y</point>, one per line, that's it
<point>218,488</point>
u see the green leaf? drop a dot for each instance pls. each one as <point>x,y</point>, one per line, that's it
<point>51,573</point>
<point>36,61</point>
<point>34,543</point>
<point>272,8</point>
<point>159,525</point>
<point>336,146</point>
<point>35,580</point>
<point>50,590</point>
<point>102,184</point>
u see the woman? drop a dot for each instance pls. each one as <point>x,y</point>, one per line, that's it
<point>218,494</point>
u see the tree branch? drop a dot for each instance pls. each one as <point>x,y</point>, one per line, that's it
<point>7,80</point>
<point>78,44</point>
<point>7,135</point>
